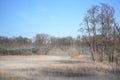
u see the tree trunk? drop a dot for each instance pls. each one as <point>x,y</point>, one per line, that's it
<point>92,52</point>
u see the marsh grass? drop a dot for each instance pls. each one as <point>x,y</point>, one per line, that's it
<point>70,69</point>
<point>54,74</point>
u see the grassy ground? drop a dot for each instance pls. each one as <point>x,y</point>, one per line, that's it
<point>52,68</point>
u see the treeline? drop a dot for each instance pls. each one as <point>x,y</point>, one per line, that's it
<point>102,33</point>
<point>14,42</point>
<point>41,44</point>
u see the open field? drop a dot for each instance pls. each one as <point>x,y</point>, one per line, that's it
<point>39,67</point>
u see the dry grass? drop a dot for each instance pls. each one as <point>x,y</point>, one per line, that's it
<point>81,62</point>
<point>26,66</point>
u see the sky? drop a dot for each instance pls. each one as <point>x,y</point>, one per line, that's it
<point>58,18</point>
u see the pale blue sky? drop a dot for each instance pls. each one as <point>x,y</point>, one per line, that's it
<point>54,17</point>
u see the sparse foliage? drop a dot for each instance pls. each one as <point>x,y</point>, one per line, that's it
<point>103,32</point>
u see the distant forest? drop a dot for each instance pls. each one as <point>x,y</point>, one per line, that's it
<point>41,44</point>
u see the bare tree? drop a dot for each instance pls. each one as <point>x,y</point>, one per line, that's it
<point>90,21</point>
<point>102,31</point>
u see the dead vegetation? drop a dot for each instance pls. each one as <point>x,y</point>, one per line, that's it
<point>38,67</point>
